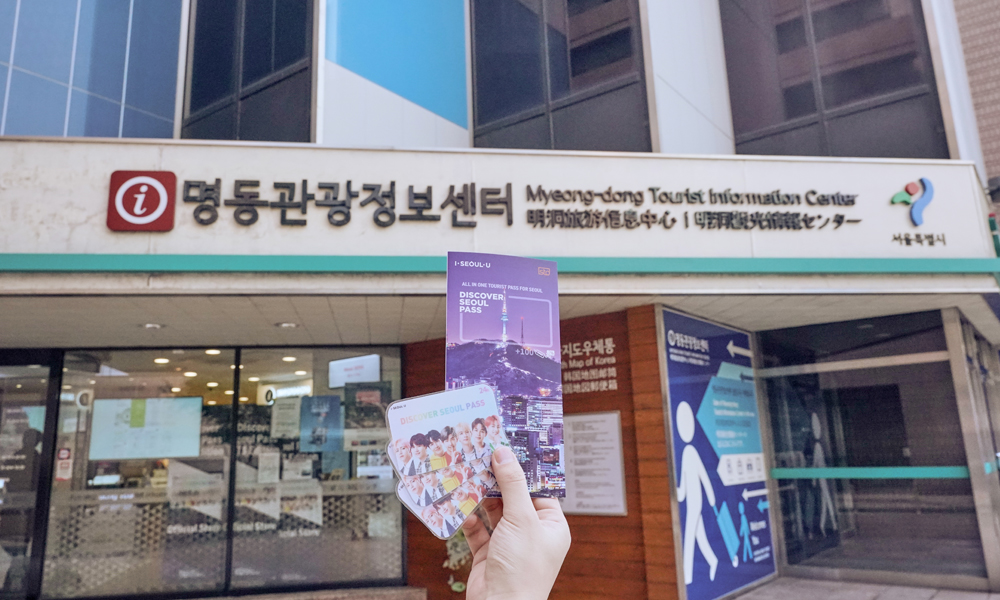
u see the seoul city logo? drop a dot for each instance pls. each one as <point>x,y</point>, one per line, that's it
<point>141,201</point>
<point>917,195</point>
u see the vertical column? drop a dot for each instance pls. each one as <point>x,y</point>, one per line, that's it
<point>980,451</point>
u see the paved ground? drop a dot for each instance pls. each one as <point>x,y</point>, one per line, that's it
<point>788,588</point>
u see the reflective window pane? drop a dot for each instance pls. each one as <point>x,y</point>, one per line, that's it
<point>100,48</point>
<point>768,61</point>
<point>291,32</point>
<point>590,42</point>
<point>214,52</point>
<point>45,38</point>
<point>888,130</point>
<point>36,106</point>
<point>7,9</point>
<point>313,479</point>
<point>139,503</point>
<point>275,34</point>
<point>508,57</point>
<point>152,64</point>
<point>93,116</point>
<point>280,112</point>
<point>220,125</point>
<point>142,125</point>
<point>868,48</point>
<point>258,40</point>
<point>23,391</point>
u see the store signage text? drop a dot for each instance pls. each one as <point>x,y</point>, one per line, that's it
<point>143,201</point>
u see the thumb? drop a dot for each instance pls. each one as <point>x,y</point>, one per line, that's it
<point>517,506</point>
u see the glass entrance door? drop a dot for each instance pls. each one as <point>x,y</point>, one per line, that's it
<point>24,387</point>
<point>872,469</point>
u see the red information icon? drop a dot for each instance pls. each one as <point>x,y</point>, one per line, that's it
<point>141,201</point>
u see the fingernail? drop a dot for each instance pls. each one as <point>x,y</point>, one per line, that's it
<point>502,455</point>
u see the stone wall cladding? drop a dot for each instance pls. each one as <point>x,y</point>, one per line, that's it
<point>979,25</point>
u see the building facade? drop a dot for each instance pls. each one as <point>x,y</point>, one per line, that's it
<point>211,213</point>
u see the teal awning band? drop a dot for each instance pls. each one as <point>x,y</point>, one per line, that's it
<point>872,473</point>
<point>243,263</point>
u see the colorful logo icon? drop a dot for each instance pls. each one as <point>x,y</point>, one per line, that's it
<point>917,195</point>
<point>141,201</point>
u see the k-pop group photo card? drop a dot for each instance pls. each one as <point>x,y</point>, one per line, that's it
<point>440,445</point>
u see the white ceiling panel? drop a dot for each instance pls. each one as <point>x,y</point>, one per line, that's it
<point>190,320</point>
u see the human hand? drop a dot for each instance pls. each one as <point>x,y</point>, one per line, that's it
<point>521,560</point>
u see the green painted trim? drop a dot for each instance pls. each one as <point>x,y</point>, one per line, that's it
<point>215,263</point>
<point>873,473</point>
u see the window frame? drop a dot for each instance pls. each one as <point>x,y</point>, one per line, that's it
<point>54,360</point>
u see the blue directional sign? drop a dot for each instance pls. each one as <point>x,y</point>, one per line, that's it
<point>718,460</point>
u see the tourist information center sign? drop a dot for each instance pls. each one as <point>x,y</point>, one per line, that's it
<point>718,462</point>
<point>116,198</point>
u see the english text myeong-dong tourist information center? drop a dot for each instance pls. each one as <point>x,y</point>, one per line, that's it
<point>211,282</point>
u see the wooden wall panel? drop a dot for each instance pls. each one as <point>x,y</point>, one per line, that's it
<point>618,570</point>
<point>611,557</point>
<point>654,479</point>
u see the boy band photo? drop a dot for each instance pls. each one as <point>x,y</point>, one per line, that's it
<point>462,444</point>
<point>445,473</point>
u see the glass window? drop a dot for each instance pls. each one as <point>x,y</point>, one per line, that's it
<point>7,10</point>
<point>275,112</point>
<point>868,48</point>
<point>258,39</point>
<point>23,391</point>
<point>795,63</point>
<point>45,38</point>
<point>312,477</point>
<point>584,44</point>
<point>140,492</point>
<point>45,57</point>
<point>93,116</point>
<point>838,408</point>
<point>768,61</point>
<point>274,35</point>
<point>100,49</point>
<point>152,63</point>
<point>144,125</point>
<point>508,40</point>
<point>214,52</point>
<point>291,33</point>
<point>35,106</point>
<point>590,42</point>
